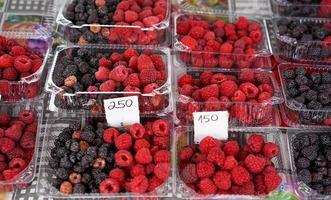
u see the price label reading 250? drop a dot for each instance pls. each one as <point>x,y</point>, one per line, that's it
<point>213,124</point>
<point>122,111</point>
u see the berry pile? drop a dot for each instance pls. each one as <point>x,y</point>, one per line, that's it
<point>308,89</point>
<point>312,155</point>
<point>17,142</point>
<point>217,42</point>
<point>99,159</point>
<point>138,13</point>
<point>219,91</point>
<point>217,167</point>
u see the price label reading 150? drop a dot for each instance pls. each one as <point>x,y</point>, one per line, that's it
<point>208,118</point>
<point>120,104</point>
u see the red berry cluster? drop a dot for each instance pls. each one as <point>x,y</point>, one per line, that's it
<point>17,142</point>
<point>219,41</point>
<point>142,158</point>
<point>17,61</point>
<point>220,91</point>
<point>216,167</point>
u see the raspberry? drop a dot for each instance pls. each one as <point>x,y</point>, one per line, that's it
<point>242,23</point>
<point>205,169</point>
<point>249,89</point>
<point>185,79</point>
<point>272,181</point>
<point>216,156</point>
<point>17,163</point>
<point>262,78</point>
<point>231,148</point>
<point>141,143</point>
<point>3,166</point>
<point>162,170</point>
<point>207,186</point>
<point>123,158</point>
<point>9,74</point>
<point>256,36</point>
<point>14,132</point>
<point>209,91</point>
<point>226,48</point>
<point>222,180</point>
<point>4,119</point>
<point>139,184</point>
<point>162,156</point>
<point>108,86</point>
<point>230,162</point>
<point>130,16</point>
<point>247,189</point>
<point>137,170</point>
<point>22,64</point>
<point>154,182</point>
<point>143,156</point>
<point>197,32</point>
<point>18,51</point>
<point>132,80</point>
<point>28,140</point>
<point>6,61</point>
<point>185,154</point>
<point>145,62</point>
<point>259,184</point>
<point>27,116</point>
<point>218,78</point>
<point>119,73</point>
<point>255,143</point>
<point>102,74</point>
<point>225,61</point>
<point>162,142</point>
<point>228,88</point>
<point>247,75</point>
<point>17,152</point>
<point>117,174</point>
<point>207,143</point>
<point>189,42</point>
<point>123,141</point>
<point>161,127</point>
<point>188,174</point>
<point>205,77</point>
<point>240,175</point>
<point>265,88</point>
<point>110,135</point>
<point>238,96</point>
<point>270,150</point>
<point>137,131</point>
<point>182,27</point>
<point>198,157</point>
<point>109,185</point>
<point>158,62</point>
<point>118,15</point>
<point>186,90</point>
<point>264,96</point>
<point>147,76</point>
<point>150,21</point>
<point>255,164</point>
<point>6,145</point>
<point>10,173</point>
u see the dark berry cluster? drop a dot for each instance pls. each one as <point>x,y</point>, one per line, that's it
<point>17,143</point>
<point>217,167</point>
<point>99,159</point>
<point>312,155</point>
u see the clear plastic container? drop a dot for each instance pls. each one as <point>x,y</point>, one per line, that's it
<point>54,128</point>
<point>287,49</point>
<point>293,112</point>
<point>160,98</point>
<point>288,9</point>
<point>26,176</point>
<point>218,6</point>
<point>120,34</point>
<point>241,113</point>
<point>184,136</point>
<point>184,56</point>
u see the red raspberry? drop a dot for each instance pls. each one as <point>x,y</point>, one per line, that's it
<point>185,154</point>
<point>119,73</point>
<point>137,170</point>
<point>242,23</point>
<point>150,21</point>
<point>255,143</point>
<point>162,156</point>
<point>226,48</point>
<point>230,163</point>
<point>272,181</point>
<point>162,170</point>
<point>17,163</point>
<point>209,91</point>
<point>154,182</point>
<point>262,78</point>
<point>270,150</point>
<point>161,127</point>
<point>28,140</point>
<point>145,62</point>
<point>17,152</point>
<point>110,135</point>
<point>238,96</point>
<point>108,186</point>
<point>137,131</point>
<point>102,74</point>
<point>3,166</point>
<point>10,173</point>
<point>14,132</point>
<point>259,184</point>
<point>141,143</point>
<point>36,64</point>
<point>123,141</point>
<point>18,51</point>
<point>218,78</point>
<point>4,119</point>
<point>108,86</point>
<point>27,116</point>
<point>255,164</point>
<point>254,26</point>
<point>205,169</point>
<point>148,76</point>
<point>209,35</point>
<point>123,5</point>
<point>205,77</point>
<point>186,90</point>
<point>188,174</point>
<point>123,158</point>
<point>117,174</point>
<point>212,104</point>
<point>198,157</point>
<point>182,27</point>
<point>228,88</point>
<point>197,32</point>
<point>230,29</point>
<point>207,143</point>
<point>264,96</point>
<point>249,89</point>
<point>139,184</point>
<point>225,61</point>
<point>219,24</point>
<point>9,74</point>
<point>247,189</point>
<point>216,156</point>
<point>189,42</point>
<point>256,36</point>
<point>240,175</point>
<point>222,180</point>
<point>265,88</point>
<point>247,75</point>
<point>143,156</point>
<point>22,64</point>
<point>118,15</point>
<point>269,169</point>
<point>207,186</point>
<point>158,62</point>
<point>6,61</point>
<point>130,16</point>
<point>185,79</point>
<point>132,80</point>
<point>231,148</point>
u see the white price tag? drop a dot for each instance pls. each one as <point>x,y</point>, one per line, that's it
<point>122,111</point>
<point>213,124</point>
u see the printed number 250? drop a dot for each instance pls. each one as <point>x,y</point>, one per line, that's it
<point>120,104</point>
